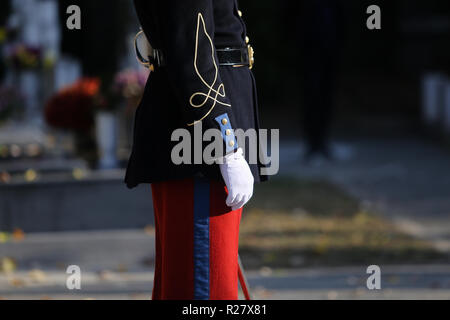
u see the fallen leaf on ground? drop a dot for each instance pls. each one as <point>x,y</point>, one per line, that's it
<point>106,275</point>
<point>122,268</point>
<point>17,282</point>
<point>4,237</point>
<point>18,235</point>
<point>150,230</point>
<point>7,265</point>
<point>37,276</point>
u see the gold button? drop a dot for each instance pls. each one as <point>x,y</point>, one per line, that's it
<point>240,13</point>
<point>224,122</point>
<point>228,132</point>
<point>247,40</point>
<point>231,143</point>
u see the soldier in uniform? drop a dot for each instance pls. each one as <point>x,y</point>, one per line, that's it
<point>201,59</point>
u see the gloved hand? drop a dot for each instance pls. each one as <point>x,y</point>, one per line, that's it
<point>238,178</point>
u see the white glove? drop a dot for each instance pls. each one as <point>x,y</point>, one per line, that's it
<point>238,178</point>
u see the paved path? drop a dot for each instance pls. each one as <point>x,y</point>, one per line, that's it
<point>432,282</point>
<point>119,265</point>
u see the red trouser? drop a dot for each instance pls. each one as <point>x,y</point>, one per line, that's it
<point>197,240</point>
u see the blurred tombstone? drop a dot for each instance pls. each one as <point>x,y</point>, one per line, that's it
<point>106,131</point>
<point>433,86</point>
<point>50,43</point>
<point>29,88</point>
<point>25,20</point>
<point>50,33</point>
<point>67,71</point>
<point>25,14</point>
<point>38,27</point>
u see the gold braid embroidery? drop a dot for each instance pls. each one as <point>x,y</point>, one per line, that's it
<point>212,94</point>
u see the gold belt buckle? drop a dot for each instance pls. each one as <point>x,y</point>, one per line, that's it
<point>251,56</point>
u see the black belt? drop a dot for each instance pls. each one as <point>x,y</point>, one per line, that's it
<point>233,57</point>
<point>226,56</point>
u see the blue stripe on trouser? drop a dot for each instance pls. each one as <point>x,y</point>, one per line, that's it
<point>201,239</point>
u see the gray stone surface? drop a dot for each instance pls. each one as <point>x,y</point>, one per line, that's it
<point>100,202</point>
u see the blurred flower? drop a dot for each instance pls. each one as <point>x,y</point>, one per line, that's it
<point>73,107</point>
<point>129,85</point>
<point>87,86</point>
<point>22,56</point>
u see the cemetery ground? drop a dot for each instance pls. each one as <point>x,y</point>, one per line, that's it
<point>310,233</point>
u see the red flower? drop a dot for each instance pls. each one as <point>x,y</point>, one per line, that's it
<point>73,107</point>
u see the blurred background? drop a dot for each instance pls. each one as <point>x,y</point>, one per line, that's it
<point>364,118</point>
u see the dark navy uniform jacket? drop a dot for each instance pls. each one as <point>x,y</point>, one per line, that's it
<point>191,87</point>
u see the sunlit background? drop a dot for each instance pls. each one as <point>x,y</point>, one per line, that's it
<point>364,118</point>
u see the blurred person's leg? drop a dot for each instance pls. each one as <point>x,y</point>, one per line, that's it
<point>197,240</point>
<point>318,106</point>
<point>320,33</point>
